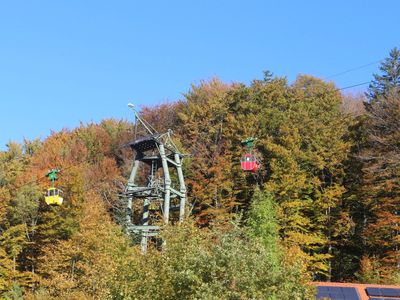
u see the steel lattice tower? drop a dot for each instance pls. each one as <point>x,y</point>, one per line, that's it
<point>161,160</point>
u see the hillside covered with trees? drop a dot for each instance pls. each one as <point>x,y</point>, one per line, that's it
<point>325,205</point>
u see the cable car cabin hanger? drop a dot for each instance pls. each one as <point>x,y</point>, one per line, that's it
<point>53,196</point>
<point>249,161</point>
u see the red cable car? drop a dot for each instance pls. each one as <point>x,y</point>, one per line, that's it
<point>249,163</point>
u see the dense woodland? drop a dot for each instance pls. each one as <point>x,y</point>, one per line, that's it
<point>325,205</point>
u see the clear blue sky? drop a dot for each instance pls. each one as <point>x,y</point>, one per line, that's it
<point>62,62</point>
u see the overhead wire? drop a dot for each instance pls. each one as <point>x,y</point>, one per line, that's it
<point>352,69</point>
<point>351,86</point>
<point>37,180</point>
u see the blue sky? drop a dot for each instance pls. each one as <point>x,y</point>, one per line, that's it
<point>62,62</point>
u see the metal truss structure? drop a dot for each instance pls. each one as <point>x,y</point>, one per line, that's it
<point>154,197</point>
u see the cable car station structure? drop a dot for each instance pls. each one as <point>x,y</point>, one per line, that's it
<point>158,200</point>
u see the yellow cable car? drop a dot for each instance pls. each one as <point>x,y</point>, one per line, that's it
<point>53,196</point>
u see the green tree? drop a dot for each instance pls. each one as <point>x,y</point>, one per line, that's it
<point>389,77</point>
<point>6,270</point>
<point>15,293</point>
<point>263,225</point>
<point>209,264</point>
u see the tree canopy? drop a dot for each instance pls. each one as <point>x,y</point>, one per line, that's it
<point>324,205</point>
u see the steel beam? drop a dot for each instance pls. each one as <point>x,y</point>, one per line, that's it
<point>167,183</point>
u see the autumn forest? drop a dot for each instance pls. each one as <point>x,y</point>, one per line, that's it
<point>325,205</point>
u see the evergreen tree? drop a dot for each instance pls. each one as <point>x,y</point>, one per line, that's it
<point>389,77</point>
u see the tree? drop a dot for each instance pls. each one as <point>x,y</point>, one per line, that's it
<point>301,142</point>
<point>202,125</point>
<point>369,249</point>
<point>286,261</point>
<point>18,212</point>
<point>389,79</point>
<point>6,271</point>
<point>263,225</point>
<point>210,264</point>
<point>303,139</point>
<point>353,104</point>
<point>89,262</point>
<point>381,188</point>
<point>293,207</point>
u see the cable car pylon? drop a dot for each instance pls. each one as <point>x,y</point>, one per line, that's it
<point>159,156</point>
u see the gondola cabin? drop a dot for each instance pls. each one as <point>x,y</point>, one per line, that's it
<point>249,163</point>
<point>53,196</point>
